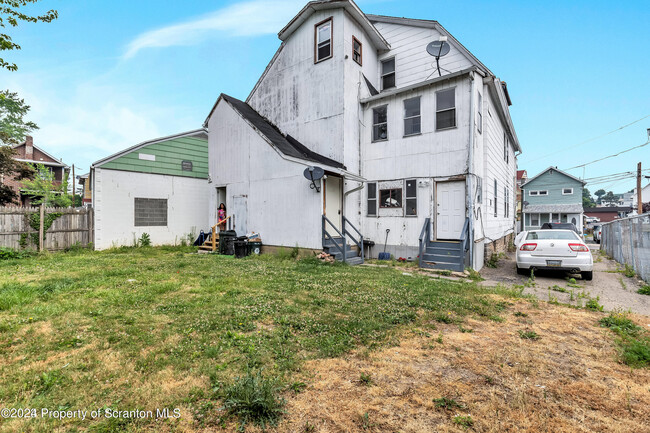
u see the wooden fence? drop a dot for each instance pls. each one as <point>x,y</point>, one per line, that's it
<point>73,227</point>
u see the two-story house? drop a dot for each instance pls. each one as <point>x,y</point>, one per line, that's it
<point>29,153</point>
<point>412,133</point>
<point>552,196</point>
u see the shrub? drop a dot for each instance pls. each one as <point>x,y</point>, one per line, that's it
<point>145,240</point>
<point>10,254</point>
<point>254,398</point>
<point>645,290</point>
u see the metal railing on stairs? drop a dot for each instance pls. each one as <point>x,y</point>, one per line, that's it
<point>358,242</point>
<point>425,236</point>
<point>344,235</point>
<point>327,236</point>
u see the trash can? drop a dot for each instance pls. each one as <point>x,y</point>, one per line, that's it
<point>241,249</point>
<point>255,247</point>
<point>227,242</point>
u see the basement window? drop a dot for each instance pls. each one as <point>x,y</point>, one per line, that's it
<point>411,197</point>
<point>372,199</point>
<point>380,123</point>
<point>388,74</point>
<point>323,40</point>
<point>150,212</point>
<point>390,198</point>
<point>446,109</point>
<point>412,124</point>
<point>357,51</point>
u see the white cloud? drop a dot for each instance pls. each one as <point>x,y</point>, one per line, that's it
<point>252,18</point>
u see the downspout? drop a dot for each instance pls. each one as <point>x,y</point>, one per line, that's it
<point>470,162</point>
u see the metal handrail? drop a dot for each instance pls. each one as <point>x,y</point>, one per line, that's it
<point>359,243</point>
<point>425,234</point>
<point>464,234</point>
<point>326,235</point>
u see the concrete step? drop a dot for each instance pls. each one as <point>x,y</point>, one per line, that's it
<point>354,261</point>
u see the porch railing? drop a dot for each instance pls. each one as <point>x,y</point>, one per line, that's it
<point>326,236</point>
<point>358,242</point>
<point>425,236</point>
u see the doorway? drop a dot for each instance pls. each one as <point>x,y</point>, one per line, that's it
<point>450,203</point>
<point>333,201</point>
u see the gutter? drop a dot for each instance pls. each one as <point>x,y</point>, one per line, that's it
<point>430,82</point>
<point>470,161</point>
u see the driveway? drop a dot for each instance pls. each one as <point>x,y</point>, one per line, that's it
<point>614,289</point>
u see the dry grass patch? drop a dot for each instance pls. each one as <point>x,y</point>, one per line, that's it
<point>569,380</point>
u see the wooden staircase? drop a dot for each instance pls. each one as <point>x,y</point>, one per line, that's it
<point>212,244</point>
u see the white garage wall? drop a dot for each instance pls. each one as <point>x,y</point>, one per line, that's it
<point>115,191</point>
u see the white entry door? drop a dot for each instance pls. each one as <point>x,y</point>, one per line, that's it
<point>334,202</point>
<point>240,214</point>
<point>450,203</point>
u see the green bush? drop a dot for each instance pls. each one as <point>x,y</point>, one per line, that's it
<point>10,254</point>
<point>645,290</point>
<point>254,398</point>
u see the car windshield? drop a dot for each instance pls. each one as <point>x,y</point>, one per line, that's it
<point>552,235</point>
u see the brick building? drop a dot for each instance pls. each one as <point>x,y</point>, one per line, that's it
<point>27,152</point>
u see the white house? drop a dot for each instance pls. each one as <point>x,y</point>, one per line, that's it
<point>412,148</point>
<point>158,187</point>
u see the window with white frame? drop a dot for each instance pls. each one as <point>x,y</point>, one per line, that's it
<point>567,191</point>
<point>412,123</point>
<point>388,73</point>
<point>496,209</point>
<point>534,219</point>
<point>533,193</point>
<point>390,198</point>
<point>323,40</point>
<point>411,197</point>
<point>445,109</point>
<point>479,117</point>
<point>357,51</point>
<point>506,201</point>
<point>380,123</point>
<point>505,147</point>
<point>372,199</point>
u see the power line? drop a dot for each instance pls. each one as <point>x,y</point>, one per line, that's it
<point>611,156</point>
<point>590,140</point>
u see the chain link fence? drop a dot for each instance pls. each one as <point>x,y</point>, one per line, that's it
<point>628,242</point>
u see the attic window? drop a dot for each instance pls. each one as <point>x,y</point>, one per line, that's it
<point>388,74</point>
<point>356,50</point>
<point>323,40</point>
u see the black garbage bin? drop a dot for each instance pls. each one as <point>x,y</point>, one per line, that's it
<point>241,248</point>
<point>227,242</point>
<point>255,247</point>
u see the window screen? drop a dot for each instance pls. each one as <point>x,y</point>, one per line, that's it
<point>446,109</point>
<point>390,198</point>
<point>411,197</point>
<point>372,199</point>
<point>412,116</point>
<point>150,212</point>
<point>388,74</point>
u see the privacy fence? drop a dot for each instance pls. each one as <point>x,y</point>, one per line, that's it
<point>20,227</point>
<point>628,242</point>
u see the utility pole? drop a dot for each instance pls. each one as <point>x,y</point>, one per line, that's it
<point>639,201</point>
<point>73,186</point>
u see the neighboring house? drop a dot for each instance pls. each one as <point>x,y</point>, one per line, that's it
<point>645,196</point>
<point>406,148</point>
<point>522,178</point>
<point>157,187</point>
<point>27,152</point>
<point>86,188</point>
<point>608,214</point>
<point>552,196</point>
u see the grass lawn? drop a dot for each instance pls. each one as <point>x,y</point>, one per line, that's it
<point>154,328</point>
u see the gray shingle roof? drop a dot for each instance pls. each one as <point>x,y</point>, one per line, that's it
<point>553,208</point>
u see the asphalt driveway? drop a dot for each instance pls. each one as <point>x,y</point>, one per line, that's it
<point>610,285</point>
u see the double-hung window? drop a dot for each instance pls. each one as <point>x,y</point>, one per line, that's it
<point>357,52</point>
<point>323,40</point>
<point>445,109</point>
<point>380,123</point>
<point>388,74</point>
<point>412,124</point>
<point>411,197</point>
<point>372,199</point>
<point>496,209</point>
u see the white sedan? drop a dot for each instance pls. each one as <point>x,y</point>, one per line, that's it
<point>553,249</point>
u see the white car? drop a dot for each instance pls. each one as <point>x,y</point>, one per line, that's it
<point>554,249</point>
<point>598,231</point>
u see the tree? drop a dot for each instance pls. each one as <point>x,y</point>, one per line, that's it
<point>11,15</point>
<point>587,200</point>
<point>609,197</point>
<point>601,192</point>
<point>45,189</point>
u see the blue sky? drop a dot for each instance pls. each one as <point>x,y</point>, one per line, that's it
<point>107,75</point>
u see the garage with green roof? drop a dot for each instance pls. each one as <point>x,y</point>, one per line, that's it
<point>158,187</point>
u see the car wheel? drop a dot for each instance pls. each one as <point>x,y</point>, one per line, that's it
<point>522,271</point>
<point>597,241</point>
<point>587,275</point>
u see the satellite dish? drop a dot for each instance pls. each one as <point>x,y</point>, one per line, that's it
<point>313,174</point>
<point>438,48</point>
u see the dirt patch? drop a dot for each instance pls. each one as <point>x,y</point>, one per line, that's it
<point>612,288</point>
<point>567,381</point>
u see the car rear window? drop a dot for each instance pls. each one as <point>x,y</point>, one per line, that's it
<point>552,235</point>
